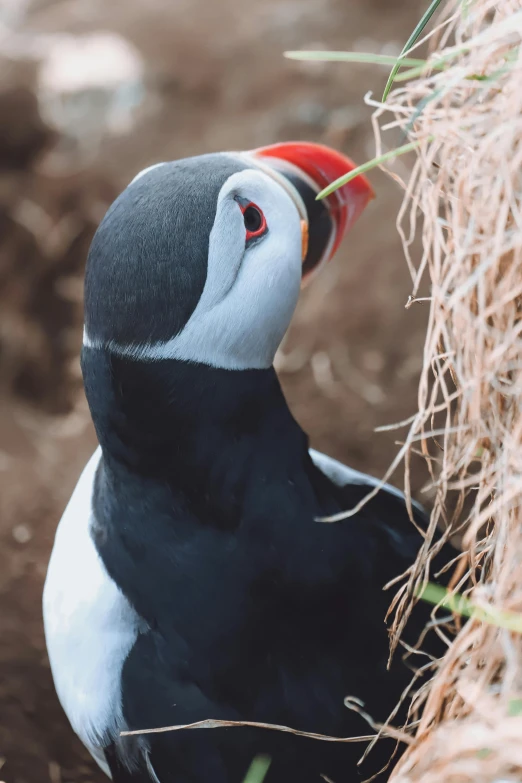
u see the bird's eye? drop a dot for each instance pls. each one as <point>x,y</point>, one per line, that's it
<point>255,221</point>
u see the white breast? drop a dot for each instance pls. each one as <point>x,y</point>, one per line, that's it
<point>89,625</point>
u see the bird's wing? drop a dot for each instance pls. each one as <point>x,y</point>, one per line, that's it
<point>385,513</point>
<point>391,522</point>
<point>342,476</point>
<point>373,547</point>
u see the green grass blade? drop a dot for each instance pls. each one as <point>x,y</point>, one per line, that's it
<point>413,73</point>
<point>258,769</point>
<point>355,57</point>
<point>515,708</point>
<point>414,37</point>
<point>371,164</point>
<point>459,604</point>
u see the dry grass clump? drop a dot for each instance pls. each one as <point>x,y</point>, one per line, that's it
<point>467,187</point>
<point>469,751</point>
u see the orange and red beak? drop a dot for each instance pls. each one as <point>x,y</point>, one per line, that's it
<point>304,169</point>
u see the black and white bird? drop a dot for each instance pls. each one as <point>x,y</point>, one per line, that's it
<point>190,577</point>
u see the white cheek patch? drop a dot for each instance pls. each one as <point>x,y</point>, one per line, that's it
<point>226,250</point>
<point>250,292</point>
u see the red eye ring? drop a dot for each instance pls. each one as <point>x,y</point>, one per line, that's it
<point>255,221</point>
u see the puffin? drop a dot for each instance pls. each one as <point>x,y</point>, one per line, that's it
<point>194,576</point>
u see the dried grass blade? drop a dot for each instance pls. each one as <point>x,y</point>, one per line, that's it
<point>219,724</point>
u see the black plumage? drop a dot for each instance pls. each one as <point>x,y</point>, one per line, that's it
<point>192,577</point>
<point>206,505</point>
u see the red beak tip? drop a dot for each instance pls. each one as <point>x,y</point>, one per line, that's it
<point>323,166</point>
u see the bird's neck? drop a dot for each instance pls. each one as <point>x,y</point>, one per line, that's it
<point>204,474</point>
<point>186,423</point>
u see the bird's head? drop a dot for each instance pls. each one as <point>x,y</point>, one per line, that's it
<point>202,259</point>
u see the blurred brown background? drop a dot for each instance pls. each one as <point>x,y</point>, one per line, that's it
<point>143,81</point>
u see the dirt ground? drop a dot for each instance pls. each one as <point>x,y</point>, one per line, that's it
<point>353,354</point>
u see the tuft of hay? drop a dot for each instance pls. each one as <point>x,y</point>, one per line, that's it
<point>466,186</point>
